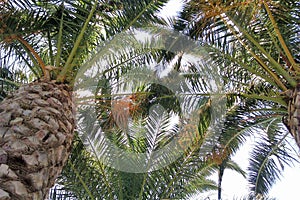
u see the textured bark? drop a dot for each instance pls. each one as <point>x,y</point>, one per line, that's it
<point>293,120</point>
<point>36,131</point>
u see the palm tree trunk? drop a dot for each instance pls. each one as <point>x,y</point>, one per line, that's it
<point>36,130</point>
<point>220,179</point>
<point>293,120</point>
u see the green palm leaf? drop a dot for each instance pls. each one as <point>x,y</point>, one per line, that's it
<point>266,163</point>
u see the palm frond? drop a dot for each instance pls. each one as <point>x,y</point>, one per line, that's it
<point>127,67</point>
<point>25,24</point>
<point>188,174</point>
<point>7,82</point>
<point>136,14</point>
<point>65,33</point>
<point>84,177</point>
<point>267,163</point>
<point>236,168</point>
<point>231,30</point>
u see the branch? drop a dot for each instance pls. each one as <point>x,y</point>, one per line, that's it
<point>34,53</point>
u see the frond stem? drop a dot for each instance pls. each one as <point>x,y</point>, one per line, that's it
<point>251,70</point>
<point>50,48</point>
<point>68,65</point>
<point>32,51</point>
<point>276,65</point>
<point>263,97</point>
<point>82,182</point>
<point>280,38</point>
<point>59,41</point>
<point>139,15</point>
<point>259,60</point>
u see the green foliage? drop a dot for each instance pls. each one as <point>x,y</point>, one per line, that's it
<point>232,30</point>
<point>86,177</point>
<point>145,133</point>
<point>7,83</point>
<point>244,46</point>
<point>172,181</point>
<point>255,44</point>
<point>268,159</point>
<point>66,33</point>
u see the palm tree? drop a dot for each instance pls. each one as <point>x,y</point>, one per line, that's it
<point>65,34</point>
<point>256,43</point>
<point>51,39</point>
<point>87,176</point>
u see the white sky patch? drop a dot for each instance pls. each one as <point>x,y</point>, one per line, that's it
<point>171,9</point>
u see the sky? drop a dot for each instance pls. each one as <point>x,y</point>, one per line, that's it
<point>234,185</point>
